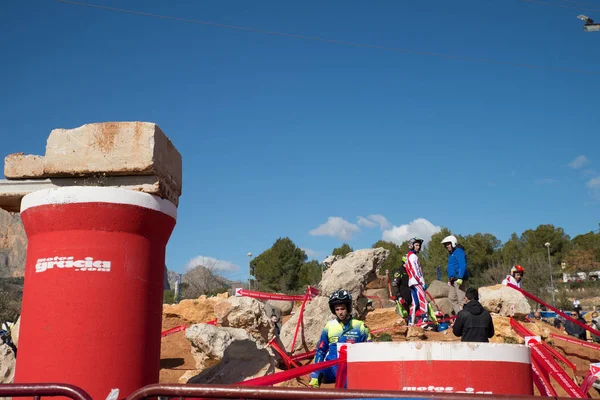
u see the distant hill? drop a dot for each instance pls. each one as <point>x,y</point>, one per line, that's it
<point>198,281</point>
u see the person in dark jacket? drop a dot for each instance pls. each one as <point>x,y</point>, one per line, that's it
<point>400,289</point>
<point>473,323</point>
<point>575,330</point>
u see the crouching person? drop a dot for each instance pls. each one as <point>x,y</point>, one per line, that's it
<point>343,329</point>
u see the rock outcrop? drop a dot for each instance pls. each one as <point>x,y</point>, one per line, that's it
<point>503,300</point>
<point>7,364</point>
<point>353,272</point>
<point>13,245</point>
<point>248,314</point>
<point>316,314</point>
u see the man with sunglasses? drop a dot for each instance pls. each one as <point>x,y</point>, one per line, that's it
<point>343,329</point>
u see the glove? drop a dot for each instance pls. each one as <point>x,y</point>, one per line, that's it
<point>459,281</point>
<point>314,382</point>
<point>424,287</point>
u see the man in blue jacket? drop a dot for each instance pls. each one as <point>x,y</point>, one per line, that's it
<point>458,273</point>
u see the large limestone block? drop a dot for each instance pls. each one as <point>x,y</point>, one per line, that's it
<point>115,148</point>
<point>23,166</point>
<point>353,272</point>
<point>438,289</point>
<point>504,300</point>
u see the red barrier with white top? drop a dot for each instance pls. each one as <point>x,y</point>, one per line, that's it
<point>92,298</point>
<point>441,367</point>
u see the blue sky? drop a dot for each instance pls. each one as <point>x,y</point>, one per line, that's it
<point>283,136</point>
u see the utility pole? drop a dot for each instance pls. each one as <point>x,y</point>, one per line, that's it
<point>551,280</point>
<point>249,269</point>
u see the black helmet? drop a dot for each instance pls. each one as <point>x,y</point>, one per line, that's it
<point>338,297</point>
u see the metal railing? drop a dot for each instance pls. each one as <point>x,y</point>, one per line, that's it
<point>37,390</point>
<point>289,393</point>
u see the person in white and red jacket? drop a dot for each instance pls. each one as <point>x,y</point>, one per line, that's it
<point>515,277</point>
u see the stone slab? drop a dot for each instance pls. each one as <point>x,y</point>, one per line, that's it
<point>23,166</point>
<point>115,149</point>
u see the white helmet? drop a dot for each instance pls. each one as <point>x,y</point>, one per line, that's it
<point>450,239</point>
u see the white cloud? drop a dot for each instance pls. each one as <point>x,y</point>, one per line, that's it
<point>336,227</point>
<point>594,183</point>
<point>545,181</point>
<point>420,227</point>
<point>374,220</point>
<point>211,263</point>
<point>579,162</point>
<point>362,221</point>
<point>310,253</point>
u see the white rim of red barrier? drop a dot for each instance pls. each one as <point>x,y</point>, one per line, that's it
<point>94,194</point>
<point>438,351</point>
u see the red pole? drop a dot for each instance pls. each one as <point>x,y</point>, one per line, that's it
<point>300,316</point>
<point>562,314</point>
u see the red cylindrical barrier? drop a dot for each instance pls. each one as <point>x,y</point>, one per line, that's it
<point>440,367</point>
<point>92,299</point>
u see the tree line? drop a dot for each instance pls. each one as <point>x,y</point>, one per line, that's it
<point>284,266</point>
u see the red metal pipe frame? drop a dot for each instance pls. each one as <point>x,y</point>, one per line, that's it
<point>300,320</point>
<point>575,341</point>
<point>290,393</point>
<point>286,359</point>
<point>545,361</point>
<point>542,302</point>
<point>541,380</point>
<point>44,389</point>
<point>523,331</point>
<point>304,356</point>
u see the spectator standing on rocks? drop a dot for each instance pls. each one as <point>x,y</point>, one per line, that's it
<point>515,277</point>
<point>401,290</point>
<point>473,323</point>
<point>416,282</point>
<point>343,329</point>
<point>458,274</point>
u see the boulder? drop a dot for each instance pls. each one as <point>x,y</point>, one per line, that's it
<point>13,247</point>
<point>353,272</point>
<point>248,314</point>
<point>14,332</point>
<point>381,282</point>
<point>503,300</point>
<point>438,289</point>
<point>415,333</point>
<point>444,305</point>
<point>285,307</point>
<point>383,318</point>
<point>193,310</point>
<point>383,296</point>
<point>316,314</point>
<point>7,364</point>
<point>242,360</point>
<point>330,260</point>
<point>209,342</point>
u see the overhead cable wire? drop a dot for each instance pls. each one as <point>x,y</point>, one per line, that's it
<point>338,42</point>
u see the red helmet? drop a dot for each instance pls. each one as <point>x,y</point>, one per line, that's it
<point>517,268</point>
